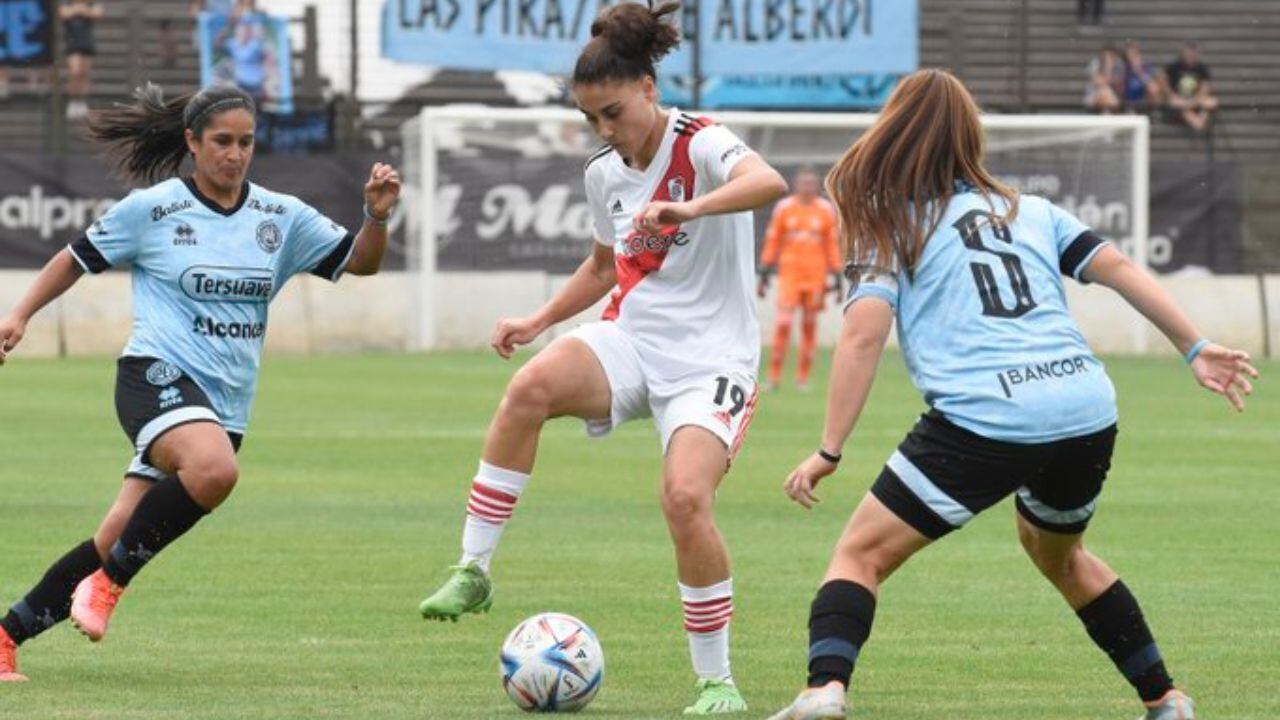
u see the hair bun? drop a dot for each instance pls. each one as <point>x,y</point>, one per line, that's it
<point>638,32</point>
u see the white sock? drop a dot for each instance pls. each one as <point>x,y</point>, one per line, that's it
<point>494,493</point>
<point>707,612</point>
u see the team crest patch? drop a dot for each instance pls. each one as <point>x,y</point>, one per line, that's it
<point>269,237</point>
<point>675,189</point>
<point>162,373</point>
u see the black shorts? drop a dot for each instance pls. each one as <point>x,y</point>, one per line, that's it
<point>942,476</point>
<point>78,38</point>
<point>154,396</point>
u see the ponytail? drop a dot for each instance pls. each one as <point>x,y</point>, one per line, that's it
<point>147,138</point>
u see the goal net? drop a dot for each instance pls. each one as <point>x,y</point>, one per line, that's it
<point>497,215</point>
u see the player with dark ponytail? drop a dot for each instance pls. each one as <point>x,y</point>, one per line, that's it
<point>208,253</point>
<point>671,196</point>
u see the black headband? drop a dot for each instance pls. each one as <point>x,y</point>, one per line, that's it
<point>229,103</point>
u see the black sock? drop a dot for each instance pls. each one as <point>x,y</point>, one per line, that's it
<point>839,623</point>
<point>49,602</point>
<point>162,516</point>
<point>1115,623</point>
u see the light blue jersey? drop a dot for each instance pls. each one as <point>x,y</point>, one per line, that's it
<point>204,275</point>
<point>984,326</point>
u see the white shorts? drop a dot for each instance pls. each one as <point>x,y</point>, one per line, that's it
<point>722,402</point>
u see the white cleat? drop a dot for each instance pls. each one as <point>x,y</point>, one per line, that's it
<point>1173,706</point>
<point>824,703</point>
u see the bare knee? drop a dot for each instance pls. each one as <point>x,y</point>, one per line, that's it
<point>528,395</point>
<point>1058,562</point>
<point>210,480</point>
<point>685,505</point>
<point>868,558</point>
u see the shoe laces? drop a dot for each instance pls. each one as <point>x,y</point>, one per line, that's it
<point>467,576</point>
<point>717,689</point>
<point>105,595</point>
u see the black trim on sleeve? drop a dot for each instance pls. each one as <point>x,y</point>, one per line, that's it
<point>1079,249</point>
<point>602,152</point>
<point>88,256</point>
<point>329,266</point>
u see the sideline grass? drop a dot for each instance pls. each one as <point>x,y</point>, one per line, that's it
<point>298,598</point>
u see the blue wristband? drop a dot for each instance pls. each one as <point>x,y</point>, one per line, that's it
<point>1195,350</point>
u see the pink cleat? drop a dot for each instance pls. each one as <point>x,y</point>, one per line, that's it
<point>91,604</point>
<point>9,659</point>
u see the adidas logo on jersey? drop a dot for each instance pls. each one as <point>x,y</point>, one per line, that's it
<point>617,207</point>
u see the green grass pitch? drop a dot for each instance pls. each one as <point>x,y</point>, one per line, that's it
<point>297,599</point>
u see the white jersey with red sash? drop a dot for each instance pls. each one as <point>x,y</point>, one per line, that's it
<point>685,295</point>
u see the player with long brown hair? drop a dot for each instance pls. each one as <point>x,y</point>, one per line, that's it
<point>1018,404</point>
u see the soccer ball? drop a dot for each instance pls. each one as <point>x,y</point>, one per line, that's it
<point>552,663</point>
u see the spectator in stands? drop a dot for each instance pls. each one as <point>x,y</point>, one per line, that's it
<point>243,40</point>
<point>1089,12</point>
<point>1106,82</point>
<point>1187,88</point>
<point>1141,80</point>
<point>78,18</point>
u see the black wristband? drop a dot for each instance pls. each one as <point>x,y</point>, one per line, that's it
<point>833,459</point>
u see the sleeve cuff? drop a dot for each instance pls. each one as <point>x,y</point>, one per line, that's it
<point>875,291</point>
<point>88,256</point>
<point>331,267</point>
<point>1078,254</point>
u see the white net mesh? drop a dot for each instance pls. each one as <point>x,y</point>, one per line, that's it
<point>507,187</point>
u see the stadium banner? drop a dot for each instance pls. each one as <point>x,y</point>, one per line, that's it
<point>767,37</point>
<point>1196,211</point>
<point>250,50</point>
<point>295,133</point>
<point>498,210</point>
<point>781,92</point>
<point>26,33</point>
<point>46,201</point>
<point>502,211</point>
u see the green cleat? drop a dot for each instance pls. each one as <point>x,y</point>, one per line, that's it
<point>467,590</point>
<point>717,697</point>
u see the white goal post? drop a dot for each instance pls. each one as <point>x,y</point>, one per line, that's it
<point>494,197</point>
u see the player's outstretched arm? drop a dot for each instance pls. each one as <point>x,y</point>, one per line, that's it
<point>853,369</point>
<point>58,275</point>
<point>593,279</point>
<point>752,183</point>
<point>1218,369</point>
<point>381,193</point>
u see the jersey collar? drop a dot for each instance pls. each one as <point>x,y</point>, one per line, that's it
<point>211,204</point>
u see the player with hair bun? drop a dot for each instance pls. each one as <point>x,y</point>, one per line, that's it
<point>208,254</point>
<point>671,195</point>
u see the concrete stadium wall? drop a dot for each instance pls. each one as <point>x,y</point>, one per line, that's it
<point>363,314</point>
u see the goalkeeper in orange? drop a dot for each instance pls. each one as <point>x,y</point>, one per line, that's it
<point>801,248</point>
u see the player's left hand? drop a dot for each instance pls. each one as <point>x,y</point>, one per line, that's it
<point>1226,372</point>
<point>382,192</point>
<point>12,328</point>
<point>658,215</point>
<point>804,480</point>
